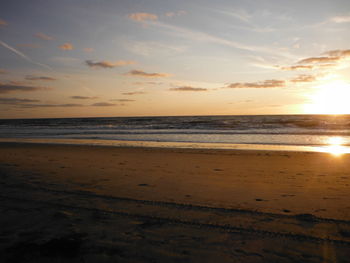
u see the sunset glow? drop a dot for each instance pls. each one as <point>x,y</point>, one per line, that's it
<point>335,147</point>
<point>330,98</point>
<point>173,58</point>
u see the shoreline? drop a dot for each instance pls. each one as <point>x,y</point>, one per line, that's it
<point>330,149</point>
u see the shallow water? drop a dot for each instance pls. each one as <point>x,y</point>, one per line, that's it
<point>300,132</point>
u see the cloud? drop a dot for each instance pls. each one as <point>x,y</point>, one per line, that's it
<point>187,88</point>
<point>340,19</point>
<point>28,45</point>
<point>303,78</point>
<point>122,100</point>
<point>108,64</point>
<point>3,22</point>
<point>147,83</point>
<point>14,87</point>
<point>271,83</point>
<point>312,60</point>
<point>88,49</point>
<point>16,101</point>
<point>134,93</point>
<point>141,17</point>
<point>297,67</point>
<point>43,36</point>
<point>140,73</point>
<point>83,98</point>
<point>66,46</point>
<point>338,53</point>
<point>31,77</point>
<point>103,104</point>
<point>2,71</point>
<point>68,105</point>
<point>178,13</point>
<point>19,53</point>
<point>204,37</point>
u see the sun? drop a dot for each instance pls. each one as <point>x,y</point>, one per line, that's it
<point>330,98</point>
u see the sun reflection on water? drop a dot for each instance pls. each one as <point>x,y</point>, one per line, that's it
<point>336,146</point>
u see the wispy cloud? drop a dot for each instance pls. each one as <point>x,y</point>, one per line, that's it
<point>140,73</point>
<point>134,93</point>
<point>3,22</point>
<point>187,88</point>
<point>147,83</point>
<point>13,87</point>
<point>66,46</point>
<point>3,71</point>
<point>319,60</point>
<point>297,67</point>
<point>31,77</point>
<point>177,13</point>
<point>83,98</point>
<point>339,53</point>
<point>340,19</point>
<point>68,105</point>
<point>103,104</point>
<point>303,78</point>
<point>19,53</point>
<point>205,37</point>
<point>240,14</point>
<point>327,60</point>
<point>16,101</point>
<point>108,64</point>
<point>271,83</point>
<point>141,17</point>
<point>154,48</point>
<point>43,36</point>
<point>122,100</point>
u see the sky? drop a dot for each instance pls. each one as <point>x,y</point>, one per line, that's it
<point>103,58</point>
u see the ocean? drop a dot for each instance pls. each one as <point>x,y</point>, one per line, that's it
<point>294,132</point>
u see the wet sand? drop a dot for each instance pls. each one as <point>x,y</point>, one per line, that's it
<point>109,204</point>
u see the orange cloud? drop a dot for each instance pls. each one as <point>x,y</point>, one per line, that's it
<point>319,60</point>
<point>2,71</point>
<point>303,78</point>
<point>187,88</point>
<point>66,46</point>
<point>43,36</point>
<point>108,64</point>
<point>140,73</point>
<point>271,83</point>
<point>141,17</point>
<point>298,67</point>
<point>3,22</point>
<point>338,53</point>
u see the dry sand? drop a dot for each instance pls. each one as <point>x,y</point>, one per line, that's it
<point>64,203</point>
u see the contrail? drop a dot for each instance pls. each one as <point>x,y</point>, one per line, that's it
<point>19,53</point>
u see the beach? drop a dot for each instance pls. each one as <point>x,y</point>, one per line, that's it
<point>135,204</point>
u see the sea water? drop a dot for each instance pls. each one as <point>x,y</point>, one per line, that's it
<point>260,131</point>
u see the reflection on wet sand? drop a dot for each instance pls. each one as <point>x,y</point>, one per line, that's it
<point>335,146</point>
